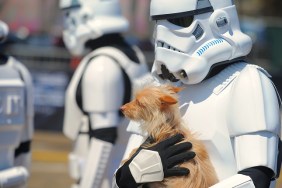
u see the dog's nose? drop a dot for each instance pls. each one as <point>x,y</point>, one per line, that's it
<point>122,108</point>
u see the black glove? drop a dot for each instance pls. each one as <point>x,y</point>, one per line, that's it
<point>260,175</point>
<point>171,155</point>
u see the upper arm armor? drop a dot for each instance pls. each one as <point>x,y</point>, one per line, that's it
<point>102,85</point>
<point>253,105</point>
<point>254,120</point>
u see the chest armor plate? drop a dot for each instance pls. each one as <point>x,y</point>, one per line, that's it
<point>203,108</point>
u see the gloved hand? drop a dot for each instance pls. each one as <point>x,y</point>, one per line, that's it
<point>170,153</point>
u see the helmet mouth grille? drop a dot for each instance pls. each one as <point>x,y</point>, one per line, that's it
<point>162,44</point>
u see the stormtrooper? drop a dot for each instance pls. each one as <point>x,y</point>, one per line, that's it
<point>233,106</point>
<point>16,119</point>
<point>102,82</point>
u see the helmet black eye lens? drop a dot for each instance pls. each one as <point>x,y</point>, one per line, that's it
<point>183,22</point>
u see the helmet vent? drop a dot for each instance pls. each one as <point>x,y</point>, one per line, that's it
<point>198,32</point>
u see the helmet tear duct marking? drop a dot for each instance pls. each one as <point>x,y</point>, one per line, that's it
<point>198,32</point>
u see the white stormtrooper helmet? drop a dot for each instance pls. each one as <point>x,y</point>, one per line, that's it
<point>90,19</point>
<point>4,30</point>
<point>192,36</point>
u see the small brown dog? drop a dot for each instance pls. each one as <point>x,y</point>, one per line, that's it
<point>157,109</point>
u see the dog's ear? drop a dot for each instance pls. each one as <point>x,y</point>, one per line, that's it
<point>166,99</point>
<point>175,89</point>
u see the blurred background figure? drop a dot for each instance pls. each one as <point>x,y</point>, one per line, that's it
<point>16,119</point>
<point>101,83</point>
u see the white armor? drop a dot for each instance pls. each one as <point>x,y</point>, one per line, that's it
<point>101,76</point>
<point>103,99</point>
<point>16,122</point>
<point>237,129</point>
<point>234,112</point>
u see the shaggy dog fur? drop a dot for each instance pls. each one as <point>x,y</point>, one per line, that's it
<point>156,108</point>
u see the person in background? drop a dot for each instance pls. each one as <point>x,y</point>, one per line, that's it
<point>16,119</point>
<point>102,83</point>
<point>232,105</point>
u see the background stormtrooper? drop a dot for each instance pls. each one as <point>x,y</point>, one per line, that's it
<point>16,119</point>
<point>232,105</point>
<point>100,85</point>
